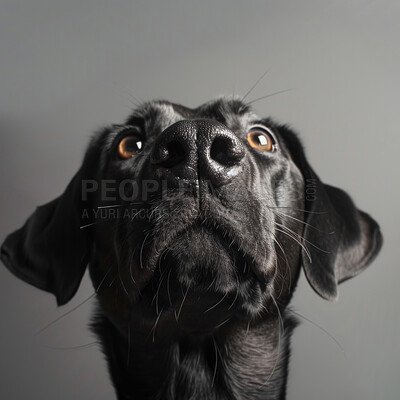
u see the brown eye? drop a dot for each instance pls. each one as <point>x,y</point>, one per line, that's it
<point>129,146</point>
<point>261,139</point>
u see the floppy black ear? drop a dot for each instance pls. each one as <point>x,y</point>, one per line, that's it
<point>50,251</point>
<point>341,239</point>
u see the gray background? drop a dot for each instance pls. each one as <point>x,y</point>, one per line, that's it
<point>68,67</point>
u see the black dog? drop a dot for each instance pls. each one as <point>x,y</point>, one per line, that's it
<point>194,224</point>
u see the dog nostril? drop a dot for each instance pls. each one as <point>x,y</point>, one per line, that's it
<point>172,154</point>
<point>225,151</point>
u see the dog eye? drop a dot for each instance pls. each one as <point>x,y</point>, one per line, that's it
<point>260,139</point>
<point>129,146</point>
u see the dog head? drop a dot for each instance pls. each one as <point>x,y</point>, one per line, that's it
<point>193,216</point>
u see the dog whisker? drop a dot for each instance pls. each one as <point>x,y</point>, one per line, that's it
<point>248,328</point>
<point>299,209</point>
<point>123,221</point>
<point>130,266</point>
<point>155,324</point>
<point>74,308</point>
<point>302,238</point>
<point>216,304</point>
<point>255,84</point>
<point>289,309</point>
<point>158,290</point>
<point>141,250</point>
<point>216,362</point>
<point>79,347</point>
<point>210,285</point>
<point>168,290</point>
<point>297,241</point>
<point>183,300</point>
<point>268,95</point>
<point>303,222</point>
<point>120,205</point>
<point>93,223</point>
<point>222,323</point>
<point>245,267</point>
<point>65,314</point>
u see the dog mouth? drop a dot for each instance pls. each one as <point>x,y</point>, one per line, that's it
<point>202,241</point>
<point>208,248</point>
<point>203,275</point>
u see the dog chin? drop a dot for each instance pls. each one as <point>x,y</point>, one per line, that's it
<point>204,259</point>
<point>205,279</point>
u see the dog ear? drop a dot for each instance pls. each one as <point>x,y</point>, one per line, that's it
<point>341,240</point>
<point>51,250</point>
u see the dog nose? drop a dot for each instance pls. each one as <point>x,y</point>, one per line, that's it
<point>198,150</point>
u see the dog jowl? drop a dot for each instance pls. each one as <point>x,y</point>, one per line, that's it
<point>194,224</point>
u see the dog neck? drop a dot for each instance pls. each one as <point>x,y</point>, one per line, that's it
<point>240,361</point>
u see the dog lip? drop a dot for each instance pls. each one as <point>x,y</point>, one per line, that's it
<point>225,236</point>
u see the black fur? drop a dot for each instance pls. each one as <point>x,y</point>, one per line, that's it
<point>194,266</point>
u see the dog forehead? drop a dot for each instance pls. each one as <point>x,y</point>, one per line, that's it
<point>156,116</point>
